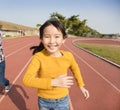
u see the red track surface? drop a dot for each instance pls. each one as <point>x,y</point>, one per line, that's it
<point>102,79</point>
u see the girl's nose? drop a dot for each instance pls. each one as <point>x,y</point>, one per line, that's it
<point>52,40</point>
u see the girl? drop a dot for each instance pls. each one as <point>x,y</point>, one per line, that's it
<point>51,65</point>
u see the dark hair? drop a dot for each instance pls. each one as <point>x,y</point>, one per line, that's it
<point>53,22</point>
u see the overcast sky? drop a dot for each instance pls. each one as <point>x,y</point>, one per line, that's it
<point>101,15</point>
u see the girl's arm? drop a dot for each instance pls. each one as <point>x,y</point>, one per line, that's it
<point>30,78</point>
<point>77,74</point>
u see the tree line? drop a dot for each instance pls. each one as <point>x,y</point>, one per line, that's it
<point>75,26</point>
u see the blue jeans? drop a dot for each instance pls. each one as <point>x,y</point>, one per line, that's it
<point>3,80</point>
<point>55,104</point>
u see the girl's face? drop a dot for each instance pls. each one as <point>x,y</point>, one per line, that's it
<point>52,40</point>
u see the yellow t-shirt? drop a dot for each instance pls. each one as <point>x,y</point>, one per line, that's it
<point>43,68</point>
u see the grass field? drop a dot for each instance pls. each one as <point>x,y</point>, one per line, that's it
<point>110,52</point>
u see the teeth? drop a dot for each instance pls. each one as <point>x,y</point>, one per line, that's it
<point>52,46</point>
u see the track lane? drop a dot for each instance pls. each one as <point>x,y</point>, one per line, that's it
<point>103,95</point>
<point>15,67</point>
<point>97,75</point>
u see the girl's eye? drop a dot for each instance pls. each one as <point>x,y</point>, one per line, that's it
<point>57,36</point>
<point>46,36</point>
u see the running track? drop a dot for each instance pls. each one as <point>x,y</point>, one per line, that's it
<point>102,79</point>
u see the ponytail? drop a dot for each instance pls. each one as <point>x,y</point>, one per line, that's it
<point>38,48</point>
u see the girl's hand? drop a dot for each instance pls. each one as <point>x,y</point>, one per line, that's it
<point>85,92</point>
<point>62,81</point>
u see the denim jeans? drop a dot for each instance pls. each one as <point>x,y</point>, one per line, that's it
<point>3,80</point>
<point>55,104</point>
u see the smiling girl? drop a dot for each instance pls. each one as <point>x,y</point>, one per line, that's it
<point>48,69</point>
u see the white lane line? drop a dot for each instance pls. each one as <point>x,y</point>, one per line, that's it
<point>16,51</point>
<point>95,54</point>
<point>20,73</point>
<point>15,44</point>
<point>1,99</point>
<point>70,104</point>
<point>94,70</point>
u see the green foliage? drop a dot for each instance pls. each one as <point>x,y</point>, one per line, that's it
<point>59,17</point>
<point>75,26</point>
<point>38,25</point>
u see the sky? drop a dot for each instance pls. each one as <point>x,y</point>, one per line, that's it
<point>101,15</point>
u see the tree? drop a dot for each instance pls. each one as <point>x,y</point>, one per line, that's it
<point>59,17</point>
<point>38,25</point>
<point>74,25</point>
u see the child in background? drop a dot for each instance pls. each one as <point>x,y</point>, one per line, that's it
<point>3,80</point>
<point>48,69</point>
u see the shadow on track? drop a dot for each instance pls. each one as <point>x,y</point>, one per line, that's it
<point>17,94</point>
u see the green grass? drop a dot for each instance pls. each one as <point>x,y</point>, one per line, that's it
<point>110,52</point>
